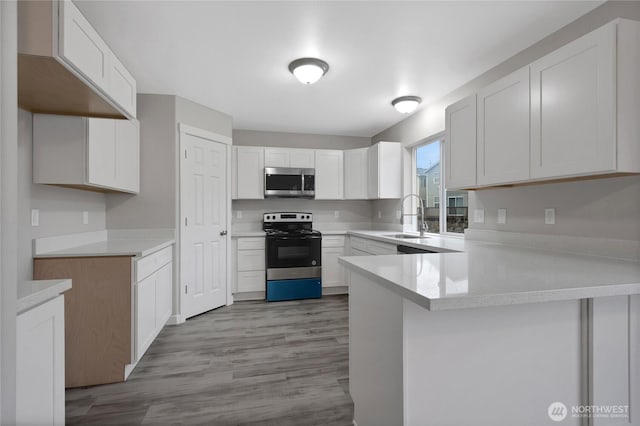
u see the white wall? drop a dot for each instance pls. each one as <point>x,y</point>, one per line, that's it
<point>61,209</point>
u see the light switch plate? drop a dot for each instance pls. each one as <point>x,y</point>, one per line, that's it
<point>398,214</point>
<point>549,216</point>
<point>85,218</point>
<point>379,214</point>
<point>35,217</point>
<point>502,216</point>
<point>238,214</point>
<point>478,215</point>
<point>336,213</point>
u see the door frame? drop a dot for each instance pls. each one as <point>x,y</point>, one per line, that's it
<point>183,130</point>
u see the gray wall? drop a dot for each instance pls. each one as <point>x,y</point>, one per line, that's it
<point>61,209</point>
<point>297,140</point>
<point>599,208</point>
<point>353,214</point>
<point>155,207</point>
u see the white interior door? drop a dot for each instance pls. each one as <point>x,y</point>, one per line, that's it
<point>203,229</point>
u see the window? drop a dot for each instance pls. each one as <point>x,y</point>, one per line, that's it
<point>452,215</point>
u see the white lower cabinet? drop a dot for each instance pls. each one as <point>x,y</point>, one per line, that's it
<point>40,364</point>
<point>153,298</point>
<point>250,275</point>
<point>333,274</point>
<point>359,246</point>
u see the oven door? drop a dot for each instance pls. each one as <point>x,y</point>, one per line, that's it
<point>285,251</point>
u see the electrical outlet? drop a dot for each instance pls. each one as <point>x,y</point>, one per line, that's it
<point>35,217</point>
<point>478,215</point>
<point>239,214</point>
<point>502,216</point>
<point>336,213</point>
<point>549,216</point>
<point>85,218</point>
<point>379,214</point>
<point>398,214</point>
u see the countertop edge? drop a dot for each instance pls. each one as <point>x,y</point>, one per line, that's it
<point>78,252</point>
<point>42,291</point>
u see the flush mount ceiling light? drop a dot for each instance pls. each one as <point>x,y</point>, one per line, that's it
<point>406,104</point>
<point>308,70</point>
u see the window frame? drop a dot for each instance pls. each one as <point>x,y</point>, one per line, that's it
<point>443,191</point>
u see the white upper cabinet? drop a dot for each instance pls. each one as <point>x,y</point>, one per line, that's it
<point>248,173</point>
<point>460,144</point>
<point>289,157</point>
<point>329,177</point>
<point>65,67</point>
<point>573,104</point>
<point>503,130</point>
<point>82,47</point>
<point>86,153</point>
<point>384,174</point>
<point>356,181</point>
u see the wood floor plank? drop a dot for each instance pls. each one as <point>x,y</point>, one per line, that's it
<point>252,363</point>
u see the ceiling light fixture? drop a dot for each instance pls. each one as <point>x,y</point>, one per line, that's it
<point>308,70</point>
<point>406,104</point>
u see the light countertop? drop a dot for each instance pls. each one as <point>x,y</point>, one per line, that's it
<point>488,274</point>
<point>431,242</point>
<point>33,293</point>
<point>113,247</point>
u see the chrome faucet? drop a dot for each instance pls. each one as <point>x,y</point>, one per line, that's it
<point>422,225</point>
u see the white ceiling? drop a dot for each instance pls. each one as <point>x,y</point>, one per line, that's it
<point>233,56</point>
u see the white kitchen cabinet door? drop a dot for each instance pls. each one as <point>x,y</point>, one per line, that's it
<point>82,47</point>
<point>302,158</point>
<point>503,130</point>
<point>329,175</point>
<point>122,86</point>
<point>332,272</point>
<point>40,365</point>
<point>145,314</point>
<point>128,155</point>
<point>356,163</point>
<point>573,107</point>
<point>101,152</point>
<point>384,174</point>
<point>277,157</point>
<point>249,281</point>
<point>460,144</point>
<point>249,171</point>
<point>165,295</point>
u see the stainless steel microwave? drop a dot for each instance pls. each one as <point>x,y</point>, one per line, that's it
<point>289,182</point>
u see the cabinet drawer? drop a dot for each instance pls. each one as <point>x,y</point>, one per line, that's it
<point>333,241</point>
<point>251,243</point>
<point>251,260</point>
<point>149,264</point>
<point>251,281</point>
<point>358,243</point>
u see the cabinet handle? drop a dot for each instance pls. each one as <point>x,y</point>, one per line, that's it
<point>223,233</point>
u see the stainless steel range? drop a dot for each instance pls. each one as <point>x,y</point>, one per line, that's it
<point>293,256</point>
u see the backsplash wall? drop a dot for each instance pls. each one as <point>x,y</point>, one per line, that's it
<point>351,214</point>
<point>599,208</point>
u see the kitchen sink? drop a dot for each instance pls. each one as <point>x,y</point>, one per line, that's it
<point>406,236</point>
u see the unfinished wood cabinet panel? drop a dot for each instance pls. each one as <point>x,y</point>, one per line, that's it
<point>97,316</point>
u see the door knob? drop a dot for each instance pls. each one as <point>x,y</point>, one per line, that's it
<point>223,233</point>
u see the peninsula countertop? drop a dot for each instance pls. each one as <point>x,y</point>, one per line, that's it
<point>489,274</point>
<point>33,293</point>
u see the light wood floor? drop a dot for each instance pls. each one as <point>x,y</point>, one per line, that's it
<point>252,363</point>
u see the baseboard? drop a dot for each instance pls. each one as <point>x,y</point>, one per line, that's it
<point>249,295</point>
<point>330,291</point>
<point>174,320</point>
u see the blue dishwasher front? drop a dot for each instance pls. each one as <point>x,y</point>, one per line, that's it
<point>307,288</point>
